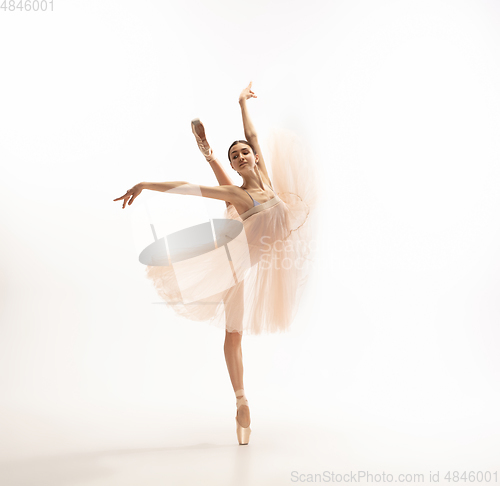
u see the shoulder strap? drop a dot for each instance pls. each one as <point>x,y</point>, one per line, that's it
<point>249,195</point>
<point>253,200</point>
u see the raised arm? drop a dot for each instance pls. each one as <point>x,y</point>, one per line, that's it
<point>250,133</point>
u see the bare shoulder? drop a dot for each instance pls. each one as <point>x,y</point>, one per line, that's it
<point>230,193</point>
<point>239,198</point>
<point>227,193</point>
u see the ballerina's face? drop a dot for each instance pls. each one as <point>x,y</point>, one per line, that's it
<point>242,157</point>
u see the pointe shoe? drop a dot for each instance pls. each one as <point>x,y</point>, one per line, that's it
<point>201,139</point>
<point>243,433</point>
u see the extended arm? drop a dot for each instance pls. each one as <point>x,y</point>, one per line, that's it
<point>223,193</point>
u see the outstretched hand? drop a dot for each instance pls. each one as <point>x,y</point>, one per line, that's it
<point>131,193</point>
<point>247,93</point>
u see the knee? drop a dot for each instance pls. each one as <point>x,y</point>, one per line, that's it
<point>233,339</point>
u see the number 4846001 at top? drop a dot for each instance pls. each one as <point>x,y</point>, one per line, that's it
<point>27,5</point>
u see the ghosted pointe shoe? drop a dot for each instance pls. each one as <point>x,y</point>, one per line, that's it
<point>243,433</point>
<point>201,139</point>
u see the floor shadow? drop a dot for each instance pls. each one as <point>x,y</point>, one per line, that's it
<point>66,469</point>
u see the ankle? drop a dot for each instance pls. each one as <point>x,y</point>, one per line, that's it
<point>210,157</point>
<point>241,399</point>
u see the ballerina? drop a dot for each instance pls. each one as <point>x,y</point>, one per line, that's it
<point>264,298</point>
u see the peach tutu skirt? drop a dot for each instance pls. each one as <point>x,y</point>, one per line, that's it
<point>252,281</point>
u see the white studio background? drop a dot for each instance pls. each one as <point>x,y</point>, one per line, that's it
<point>393,361</point>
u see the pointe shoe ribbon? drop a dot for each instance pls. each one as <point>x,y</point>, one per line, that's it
<point>243,433</point>
<point>201,139</point>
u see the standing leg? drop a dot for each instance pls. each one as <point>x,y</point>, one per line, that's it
<point>232,345</point>
<point>234,299</point>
